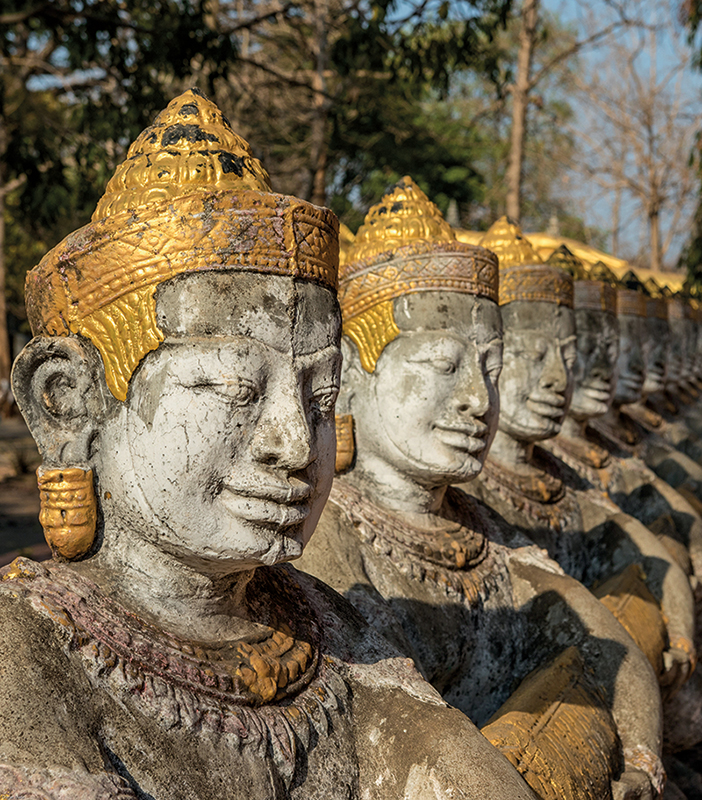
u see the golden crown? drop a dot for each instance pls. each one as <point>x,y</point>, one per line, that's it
<point>189,197</point>
<point>523,275</point>
<point>405,246</point>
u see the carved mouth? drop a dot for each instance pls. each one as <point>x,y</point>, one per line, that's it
<point>277,505</point>
<point>553,408</point>
<point>469,439</point>
<point>598,395</point>
<point>631,382</point>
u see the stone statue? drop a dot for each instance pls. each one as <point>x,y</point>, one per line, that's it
<point>181,388</point>
<point>587,534</point>
<point>439,573</point>
<point>621,539</point>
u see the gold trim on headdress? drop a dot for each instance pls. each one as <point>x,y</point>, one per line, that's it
<point>346,240</point>
<point>595,296</point>
<point>656,304</point>
<point>631,302</point>
<point>505,239</point>
<point>597,290</point>
<point>523,276</point>
<point>190,197</point>
<point>678,308</point>
<point>404,246</point>
<point>563,259</point>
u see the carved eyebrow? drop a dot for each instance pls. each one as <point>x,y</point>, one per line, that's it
<point>331,353</point>
<point>568,339</point>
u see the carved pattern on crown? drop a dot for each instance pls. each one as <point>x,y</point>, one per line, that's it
<point>595,295</point>
<point>536,282</point>
<point>427,266</point>
<point>631,302</point>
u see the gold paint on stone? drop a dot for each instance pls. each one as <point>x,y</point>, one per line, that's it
<point>404,216</point>
<point>68,512</point>
<point>523,275</point>
<point>565,260</point>
<point>345,448</point>
<point>189,197</point>
<point>597,290</point>
<point>554,713</point>
<point>346,240</point>
<point>631,302</point>
<point>632,604</point>
<point>371,331</point>
<point>505,239</point>
<point>405,246</point>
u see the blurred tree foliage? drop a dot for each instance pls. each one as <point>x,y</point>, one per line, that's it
<point>691,255</point>
<point>78,79</point>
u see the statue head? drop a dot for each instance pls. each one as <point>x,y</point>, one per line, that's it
<point>631,367</point>
<point>597,332</point>
<point>186,356</point>
<point>536,301</point>
<point>657,348</point>
<point>422,344</point>
<point>679,322</point>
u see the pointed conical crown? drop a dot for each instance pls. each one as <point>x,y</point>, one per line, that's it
<point>189,147</point>
<point>653,288</point>
<point>404,216</point>
<point>631,295</point>
<point>523,275</point>
<point>630,280</point>
<point>596,291</point>
<point>507,242</point>
<point>565,260</point>
<point>405,246</point>
<point>190,197</point>
<point>346,240</point>
<point>601,272</point>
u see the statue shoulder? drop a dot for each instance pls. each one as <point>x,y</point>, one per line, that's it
<point>44,720</point>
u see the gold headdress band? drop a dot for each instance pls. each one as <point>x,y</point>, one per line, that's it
<point>656,304</point>
<point>631,302</point>
<point>678,308</point>
<point>523,276</point>
<point>597,290</point>
<point>190,197</point>
<point>404,246</point>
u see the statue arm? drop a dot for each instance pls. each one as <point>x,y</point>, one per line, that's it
<point>431,751</point>
<point>570,615</point>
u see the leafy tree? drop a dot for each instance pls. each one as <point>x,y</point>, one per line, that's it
<point>78,80</point>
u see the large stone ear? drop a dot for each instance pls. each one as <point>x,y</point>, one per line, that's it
<point>59,386</point>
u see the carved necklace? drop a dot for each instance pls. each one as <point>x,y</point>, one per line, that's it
<point>254,671</point>
<point>233,690</point>
<point>456,555</point>
<point>586,453</point>
<point>539,495</point>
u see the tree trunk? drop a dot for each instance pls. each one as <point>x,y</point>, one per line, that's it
<point>318,130</point>
<point>616,215</point>
<point>520,102</point>
<point>654,225</point>
<point>5,352</point>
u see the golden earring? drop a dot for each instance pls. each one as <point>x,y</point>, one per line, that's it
<point>68,512</point>
<point>344,442</point>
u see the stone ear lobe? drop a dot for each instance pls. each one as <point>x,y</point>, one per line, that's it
<point>57,384</point>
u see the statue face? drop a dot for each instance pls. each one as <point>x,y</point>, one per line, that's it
<point>632,364</point>
<point>657,352</point>
<point>596,363</point>
<point>537,378</point>
<point>223,453</point>
<point>429,410</point>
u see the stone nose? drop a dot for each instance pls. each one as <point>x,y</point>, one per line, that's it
<point>555,373</point>
<point>282,436</point>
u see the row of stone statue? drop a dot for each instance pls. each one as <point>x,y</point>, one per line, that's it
<point>514,626</point>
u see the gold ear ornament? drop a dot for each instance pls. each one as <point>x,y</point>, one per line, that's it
<point>68,510</point>
<point>345,447</point>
